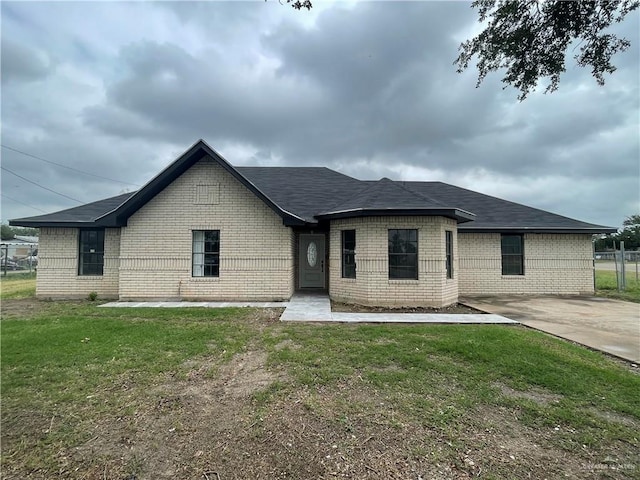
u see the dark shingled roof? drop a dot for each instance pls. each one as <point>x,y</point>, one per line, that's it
<point>307,195</point>
<point>386,197</point>
<point>384,194</point>
<point>495,214</point>
<point>302,190</point>
<point>318,192</point>
<point>71,217</point>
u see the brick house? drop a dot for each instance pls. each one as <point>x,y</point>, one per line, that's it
<point>203,229</point>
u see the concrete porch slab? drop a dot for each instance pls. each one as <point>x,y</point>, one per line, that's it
<point>313,307</point>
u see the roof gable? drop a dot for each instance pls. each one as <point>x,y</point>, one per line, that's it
<point>197,152</point>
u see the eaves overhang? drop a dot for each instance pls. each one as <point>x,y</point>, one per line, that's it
<point>510,229</point>
<point>18,222</point>
<point>461,216</point>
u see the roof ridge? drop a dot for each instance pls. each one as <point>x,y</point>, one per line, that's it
<point>283,167</point>
<point>421,195</point>
<point>355,193</point>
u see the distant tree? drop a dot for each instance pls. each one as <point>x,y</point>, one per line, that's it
<point>6,232</point>
<point>632,221</point>
<point>629,234</point>
<point>530,38</point>
<point>9,232</point>
<point>600,243</point>
<point>29,232</point>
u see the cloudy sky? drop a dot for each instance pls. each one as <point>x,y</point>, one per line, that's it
<point>119,90</point>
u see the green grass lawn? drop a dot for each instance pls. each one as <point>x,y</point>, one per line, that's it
<point>607,286</point>
<point>92,392</point>
<point>17,285</point>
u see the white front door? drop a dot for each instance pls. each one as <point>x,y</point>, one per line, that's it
<point>311,261</point>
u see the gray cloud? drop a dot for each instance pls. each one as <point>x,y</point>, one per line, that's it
<point>360,59</point>
<point>23,63</point>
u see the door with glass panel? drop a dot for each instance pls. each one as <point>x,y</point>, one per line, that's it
<point>311,261</point>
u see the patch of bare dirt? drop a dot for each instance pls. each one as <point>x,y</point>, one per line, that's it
<point>497,443</point>
<point>287,343</point>
<point>246,374</point>
<point>537,395</point>
<point>22,307</point>
<point>455,308</point>
<point>264,317</point>
<point>614,417</point>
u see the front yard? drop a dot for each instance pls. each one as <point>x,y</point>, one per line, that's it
<point>92,392</point>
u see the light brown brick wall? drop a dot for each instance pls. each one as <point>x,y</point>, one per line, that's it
<point>372,285</point>
<point>58,265</point>
<point>255,247</point>
<point>553,264</point>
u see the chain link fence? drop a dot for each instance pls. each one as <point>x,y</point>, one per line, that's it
<point>623,263</point>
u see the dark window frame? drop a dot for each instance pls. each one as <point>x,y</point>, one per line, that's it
<point>512,254</point>
<point>348,253</point>
<point>210,265</point>
<point>406,261</point>
<point>91,249</point>
<point>448,240</point>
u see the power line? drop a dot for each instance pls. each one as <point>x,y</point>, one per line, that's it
<point>67,167</point>
<point>22,203</point>
<point>38,185</point>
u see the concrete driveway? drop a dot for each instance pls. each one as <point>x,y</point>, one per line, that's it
<point>611,326</point>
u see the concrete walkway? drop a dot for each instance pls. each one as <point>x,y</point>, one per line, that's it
<point>196,304</point>
<point>611,326</point>
<point>312,307</point>
<point>308,307</point>
<point>316,307</point>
